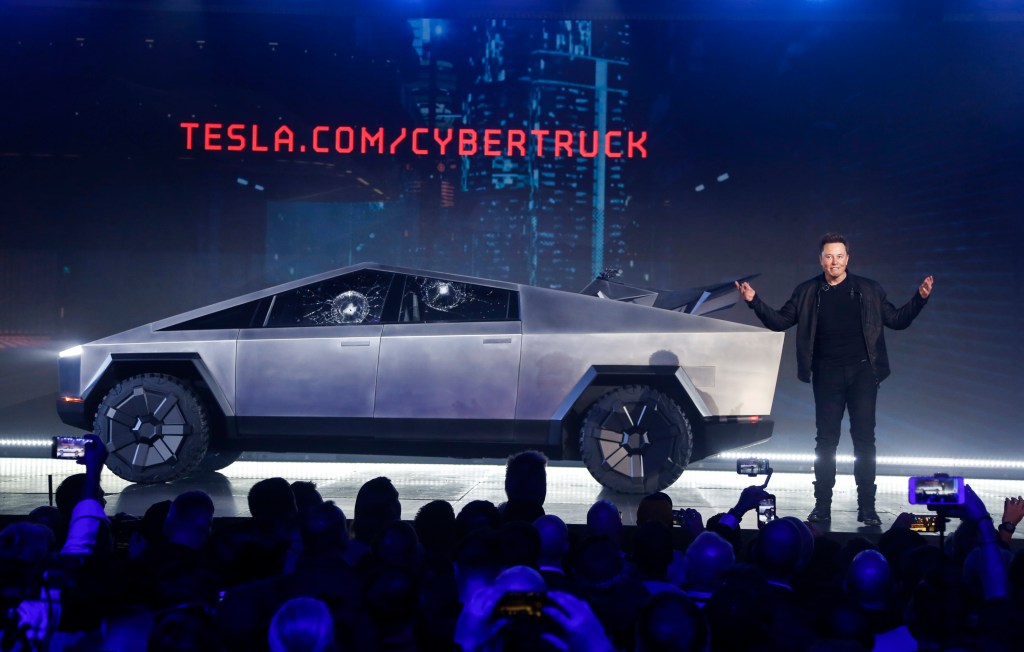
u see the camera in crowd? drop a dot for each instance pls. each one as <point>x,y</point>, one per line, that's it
<point>68,448</point>
<point>939,490</point>
<point>752,467</point>
<point>924,523</point>
<point>522,603</point>
<point>524,620</point>
<point>766,511</point>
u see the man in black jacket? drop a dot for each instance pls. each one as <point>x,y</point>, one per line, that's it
<point>840,349</point>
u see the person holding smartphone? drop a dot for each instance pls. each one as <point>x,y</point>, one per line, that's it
<point>841,352</point>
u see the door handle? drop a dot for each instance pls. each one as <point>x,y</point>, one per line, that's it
<point>497,340</point>
<point>355,342</point>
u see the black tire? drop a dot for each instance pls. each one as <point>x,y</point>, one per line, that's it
<point>155,427</point>
<point>636,440</point>
<point>217,460</point>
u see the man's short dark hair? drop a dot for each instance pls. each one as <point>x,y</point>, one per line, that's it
<point>831,238</point>
<point>526,476</point>
<point>377,504</point>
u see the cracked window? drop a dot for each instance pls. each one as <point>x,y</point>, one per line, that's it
<point>356,298</point>
<point>438,300</point>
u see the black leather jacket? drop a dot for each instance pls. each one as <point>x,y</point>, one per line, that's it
<point>875,312</point>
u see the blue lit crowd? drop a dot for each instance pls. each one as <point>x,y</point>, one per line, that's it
<point>299,575</point>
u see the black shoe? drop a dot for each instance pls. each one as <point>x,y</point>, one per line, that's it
<point>820,514</point>
<point>868,516</point>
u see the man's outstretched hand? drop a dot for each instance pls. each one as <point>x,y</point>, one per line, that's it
<point>926,287</point>
<point>747,292</point>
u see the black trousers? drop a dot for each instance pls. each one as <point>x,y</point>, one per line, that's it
<point>837,389</point>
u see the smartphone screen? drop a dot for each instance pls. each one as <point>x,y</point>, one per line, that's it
<point>766,510</point>
<point>521,603</point>
<point>68,448</point>
<point>924,523</point>
<point>936,490</point>
<point>751,466</point>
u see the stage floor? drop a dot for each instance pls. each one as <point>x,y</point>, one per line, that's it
<point>24,484</point>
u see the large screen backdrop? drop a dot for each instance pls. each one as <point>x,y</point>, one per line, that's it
<point>156,161</point>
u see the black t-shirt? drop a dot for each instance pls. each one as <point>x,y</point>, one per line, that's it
<point>839,335</point>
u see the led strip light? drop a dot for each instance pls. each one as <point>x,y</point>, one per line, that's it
<point>799,458</point>
<point>932,462</point>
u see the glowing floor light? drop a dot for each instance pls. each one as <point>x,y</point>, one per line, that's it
<point>883,460</point>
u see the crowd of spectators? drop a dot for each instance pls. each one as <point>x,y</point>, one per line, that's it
<point>299,576</point>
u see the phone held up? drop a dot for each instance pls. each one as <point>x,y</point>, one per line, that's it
<point>521,603</point>
<point>766,511</point>
<point>751,466</point>
<point>939,490</point>
<point>68,448</point>
<point>924,523</point>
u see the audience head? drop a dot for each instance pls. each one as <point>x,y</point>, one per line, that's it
<point>435,527</point>
<point>302,625</point>
<point>306,495</point>
<point>153,521</point>
<point>868,580</point>
<point>526,477</point>
<point>397,545</point>
<point>520,578</point>
<point>598,563</point>
<point>271,499</point>
<point>655,507</point>
<point>376,505</point>
<point>70,491</point>
<point>51,518</point>
<point>26,542</point>
<point>670,622</point>
<point>477,561</point>
<point>554,540</point>
<point>806,540</point>
<point>474,515</point>
<point>324,528</point>
<point>706,559</point>
<point>603,519</point>
<point>778,550</point>
<point>391,597</point>
<point>189,519</point>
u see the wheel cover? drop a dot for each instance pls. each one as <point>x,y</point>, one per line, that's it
<point>147,429</point>
<point>635,436</point>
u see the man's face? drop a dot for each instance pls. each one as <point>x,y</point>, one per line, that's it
<point>833,260</point>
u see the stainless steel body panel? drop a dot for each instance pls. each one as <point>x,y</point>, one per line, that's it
<point>453,371</point>
<point>733,367</point>
<point>473,371</point>
<point>215,349</point>
<point>324,371</point>
<point>736,383</point>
